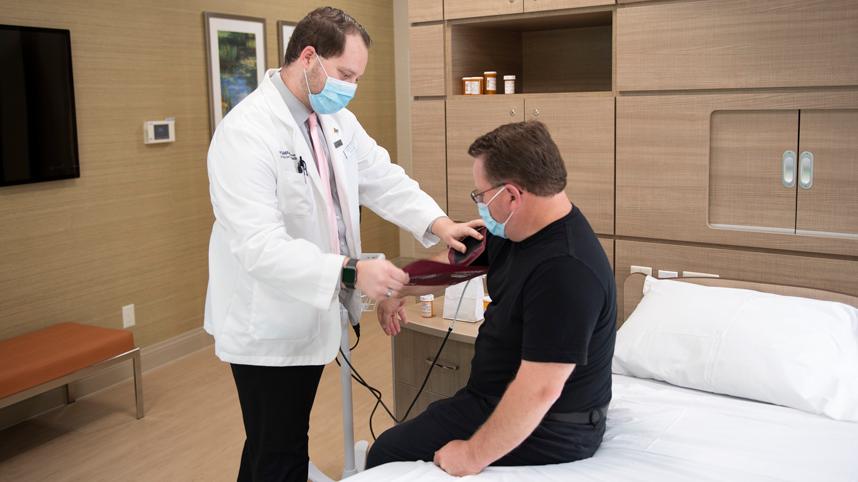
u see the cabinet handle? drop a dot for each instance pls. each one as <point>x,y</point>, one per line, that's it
<point>788,165</point>
<point>805,170</point>
<point>512,112</point>
<point>535,112</point>
<point>439,364</point>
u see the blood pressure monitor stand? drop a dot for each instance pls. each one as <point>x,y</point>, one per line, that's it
<point>354,454</point>
<point>354,459</point>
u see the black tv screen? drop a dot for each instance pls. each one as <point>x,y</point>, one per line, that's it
<point>38,133</point>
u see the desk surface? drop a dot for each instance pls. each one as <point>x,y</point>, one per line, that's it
<point>437,326</point>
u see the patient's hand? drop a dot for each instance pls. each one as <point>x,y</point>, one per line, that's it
<point>391,315</point>
<point>457,459</point>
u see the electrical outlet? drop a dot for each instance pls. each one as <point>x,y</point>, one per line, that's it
<point>642,269</point>
<point>128,316</point>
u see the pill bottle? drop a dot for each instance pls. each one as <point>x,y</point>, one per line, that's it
<point>509,84</point>
<point>490,82</point>
<point>427,306</point>
<point>472,85</point>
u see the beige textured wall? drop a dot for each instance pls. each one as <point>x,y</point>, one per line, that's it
<point>134,228</point>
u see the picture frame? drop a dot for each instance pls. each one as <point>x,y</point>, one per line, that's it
<point>284,33</point>
<point>235,60</point>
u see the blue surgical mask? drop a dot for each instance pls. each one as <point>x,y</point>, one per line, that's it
<point>494,227</point>
<point>335,95</point>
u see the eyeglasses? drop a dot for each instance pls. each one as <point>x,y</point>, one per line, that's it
<point>477,197</point>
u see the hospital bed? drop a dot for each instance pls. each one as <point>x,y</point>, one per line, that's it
<point>660,431</point>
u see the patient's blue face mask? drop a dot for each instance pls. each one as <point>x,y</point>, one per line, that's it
<point>335,95</point>
<point>494,227</point>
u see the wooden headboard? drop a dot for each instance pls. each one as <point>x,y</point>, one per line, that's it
<point>633,291</point>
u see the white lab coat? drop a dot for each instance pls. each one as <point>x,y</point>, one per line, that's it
<point>273,287</point>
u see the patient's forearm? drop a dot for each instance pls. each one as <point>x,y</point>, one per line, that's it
<point>525,402</point>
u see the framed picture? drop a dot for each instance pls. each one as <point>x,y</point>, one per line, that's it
<point>235,53</point>
<point>284,33</point>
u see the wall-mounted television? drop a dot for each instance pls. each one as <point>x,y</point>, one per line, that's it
<point>38,131</point>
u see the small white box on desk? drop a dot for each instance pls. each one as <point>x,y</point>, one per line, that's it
<point>472,301</point>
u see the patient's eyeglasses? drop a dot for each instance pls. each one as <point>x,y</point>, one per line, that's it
<point>477,197</point>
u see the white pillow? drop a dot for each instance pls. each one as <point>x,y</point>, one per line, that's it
<point>790,351</point>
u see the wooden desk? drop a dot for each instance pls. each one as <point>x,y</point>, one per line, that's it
<point>415,348</point>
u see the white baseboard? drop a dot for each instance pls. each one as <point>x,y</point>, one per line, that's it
<point>152,357</point>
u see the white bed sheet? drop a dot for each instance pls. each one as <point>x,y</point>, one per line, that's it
<point>659,432</point>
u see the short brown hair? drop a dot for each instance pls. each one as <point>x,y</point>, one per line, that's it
<point>522,153</point>
<point>324,29</point>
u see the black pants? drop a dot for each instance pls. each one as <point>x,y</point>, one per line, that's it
<point>275,406</point>
<point>457,418</point>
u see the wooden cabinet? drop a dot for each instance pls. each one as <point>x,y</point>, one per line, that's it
<point>543,5</point>
<point>581,125</point>
<point>668,188</point>
<point>583,128</point>
<point>727,44</point>
<point>747,152</point>
<point>812,272</point>
<point>429,156</point>
<point>425,10</point>
<point>481,8</point>
<point>830,203</point>
<point>427,60</point>
<point>468,119</point>
<point>608,246</point>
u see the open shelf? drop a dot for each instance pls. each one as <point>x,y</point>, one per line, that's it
<point>559,53</point>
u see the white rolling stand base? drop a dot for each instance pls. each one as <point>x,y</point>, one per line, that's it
<point>354,452</point>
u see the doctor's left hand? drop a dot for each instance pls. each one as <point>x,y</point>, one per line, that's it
<point>457,458</point>
<point>452,232</point>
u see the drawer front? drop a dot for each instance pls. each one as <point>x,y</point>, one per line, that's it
<point>726,44</point>
<point>481,8</point>
<point>414,352</point>
<point>425,10</point>
<point>405,395</point>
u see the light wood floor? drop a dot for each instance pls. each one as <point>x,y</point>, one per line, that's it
<point>192,429</point>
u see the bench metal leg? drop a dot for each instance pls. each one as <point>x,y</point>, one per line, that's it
<point>68,393</point>
<point>138,383</point>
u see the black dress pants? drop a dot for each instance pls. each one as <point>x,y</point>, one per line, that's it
<point>457,418</point>
<point>275,405</point>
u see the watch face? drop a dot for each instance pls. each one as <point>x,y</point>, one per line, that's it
<point>349,275</point>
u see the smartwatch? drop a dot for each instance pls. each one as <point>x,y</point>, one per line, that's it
<point>349,274</point>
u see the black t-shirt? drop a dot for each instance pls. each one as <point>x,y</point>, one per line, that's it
<point>553,300</point>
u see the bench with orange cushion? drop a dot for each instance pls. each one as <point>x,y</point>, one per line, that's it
<point>42,360</point>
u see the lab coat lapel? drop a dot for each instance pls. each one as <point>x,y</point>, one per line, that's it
<point>297,142</point>
<point>334,138</point>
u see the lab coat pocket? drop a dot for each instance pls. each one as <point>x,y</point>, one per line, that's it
<point>277,317</point>
<point>293,193</point>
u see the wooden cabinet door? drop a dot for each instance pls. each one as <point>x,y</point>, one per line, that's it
<point>830,205</point>
<point>542,5</point>
<point>481,8</point>
<point>726,44</point>
<point>583,129</point>
<point>746,152</point>
<point>425,10</point>
<point>427,60</point>
<point>429,149</point>
<point>664,149</point>
<point>467,119</point>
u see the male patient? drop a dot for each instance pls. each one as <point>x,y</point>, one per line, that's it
<point>541,374</point>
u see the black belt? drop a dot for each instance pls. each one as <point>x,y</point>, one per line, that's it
<point>592,416</point>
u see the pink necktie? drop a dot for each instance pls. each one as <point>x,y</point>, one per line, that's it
<point>325,174</point>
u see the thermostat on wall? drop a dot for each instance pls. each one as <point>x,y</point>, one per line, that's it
<point>155,132</point>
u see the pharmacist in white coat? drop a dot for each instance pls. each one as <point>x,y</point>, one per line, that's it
<point>289,167</point>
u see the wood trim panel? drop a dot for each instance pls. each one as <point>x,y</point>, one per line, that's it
<point>425,10</point>
<point>544,5</point>
<point>481,8</point>
<point>811,272</point>
<point>729,44</point>
<point>427,60</point>
<point>663,150</point>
